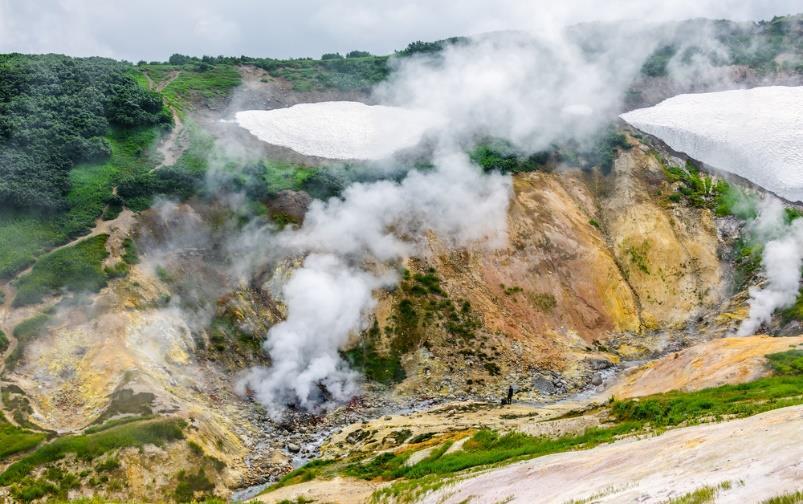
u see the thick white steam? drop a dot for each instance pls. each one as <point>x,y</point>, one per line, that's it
<point>326,301</point>
<point>329,297</point>
<point>530,92</point>
<point>782,260</point>
<point>527,90</point>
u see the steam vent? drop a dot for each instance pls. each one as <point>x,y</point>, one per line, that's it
<point>555,258</point>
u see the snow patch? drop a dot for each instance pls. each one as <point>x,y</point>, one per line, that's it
<point>340,129</point>
<point>754,133</point>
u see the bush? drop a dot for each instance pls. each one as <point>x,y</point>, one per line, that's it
<point>54,111</point>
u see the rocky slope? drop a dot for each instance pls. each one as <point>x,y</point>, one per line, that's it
<point>595,269</point>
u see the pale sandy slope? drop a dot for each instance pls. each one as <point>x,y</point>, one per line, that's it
<point>762,456</point>
<point>709,364</point>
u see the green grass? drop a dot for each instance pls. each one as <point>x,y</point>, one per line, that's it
<point>702,495</point>
<point>502,156</point>
<point>192,485</point>
<point>91,185</point>
<point>193,84</point>
<point>75,268</point>
<point>3,342</point>
<point>342,74</point>
<point>26,235</point>
<point>15,440</point>
<point>487,448</point>
<point>727,401</point>
<point>25,332</point>
<point>90,446</point>
<point>789,498</point>
<point>23,236</point>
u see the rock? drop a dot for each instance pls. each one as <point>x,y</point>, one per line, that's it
<point>597,364</point>
<point>543,385</point>
<point>291,204</point>
<point>596,380</point>
<point>293,448</point>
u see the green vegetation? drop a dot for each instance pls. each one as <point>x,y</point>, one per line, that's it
<point>543,301</point>
<point>75,268</point>
<point>192,486</point>
<point>54,113</point>
<point>502,156</point>
<point>3,342</point>
<point>698,189</point>
<point>356,72</point>
<point>646,414</point>
<point>367,358</point>
<point>656,64</point>
<point>192,81</point>
<point>790,498</point>
<point>674,408</point>
<point>638,256</point>
<point>27,331</point>
<point>599,151</point>
<point>225,332</point>
<point>788,363</point>
<point>23,236</point>
<point>15,440</point>
<point>419,47</point>
<point>264,180</point>
<point>423,306</point>
<point>91,446</point>
<point>733,200</point>
<point>55,481</point>
<point>702,495</point>
<point>755,45</point>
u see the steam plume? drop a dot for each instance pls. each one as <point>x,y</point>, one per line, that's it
<point>782,260</point>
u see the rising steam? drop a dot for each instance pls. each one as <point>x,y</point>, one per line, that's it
<point>529,92</point>
<point>782,260</point>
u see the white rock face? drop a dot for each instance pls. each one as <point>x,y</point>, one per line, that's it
<point>340,130</point>
<point>754,133</point>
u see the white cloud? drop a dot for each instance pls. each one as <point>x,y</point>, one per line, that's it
<point>153,29</point>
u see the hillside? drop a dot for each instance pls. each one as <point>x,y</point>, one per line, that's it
<point>153,253</point>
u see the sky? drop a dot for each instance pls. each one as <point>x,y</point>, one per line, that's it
<point>154,29</point>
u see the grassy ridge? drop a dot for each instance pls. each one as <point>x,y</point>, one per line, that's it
<point>76,268</point>
<point>91,446</point>
<point>14,439</point>
<point>192,82</point>
<point>23,236</point>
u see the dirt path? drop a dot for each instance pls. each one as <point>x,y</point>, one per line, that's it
<point>175,143</point>
<point>760,456</point>
<point>117,229</point>
<point>171,76</point>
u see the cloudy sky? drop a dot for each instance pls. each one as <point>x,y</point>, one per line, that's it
<point>154,29</point>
